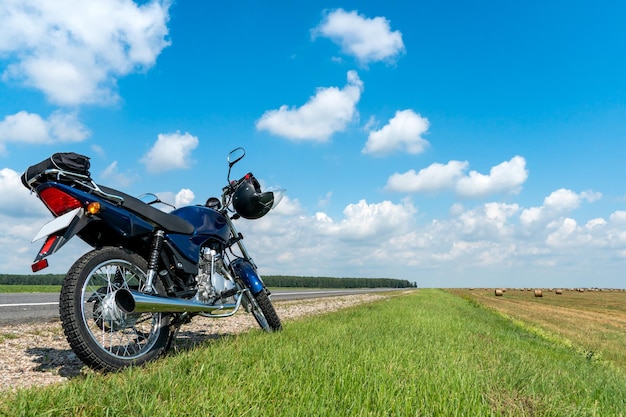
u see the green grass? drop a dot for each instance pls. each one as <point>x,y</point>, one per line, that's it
<point>29,288</point>
<point>429,353</point>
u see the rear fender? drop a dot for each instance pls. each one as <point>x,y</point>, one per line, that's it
<point>58,232</point>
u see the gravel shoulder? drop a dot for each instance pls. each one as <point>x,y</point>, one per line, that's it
<point>37,354</point>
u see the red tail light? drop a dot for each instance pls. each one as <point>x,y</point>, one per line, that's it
<point>58,201</point>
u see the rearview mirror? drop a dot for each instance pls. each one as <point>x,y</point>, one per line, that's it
<point>235,156</point>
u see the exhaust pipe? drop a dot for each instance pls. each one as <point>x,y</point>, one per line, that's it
<point>136,302</point>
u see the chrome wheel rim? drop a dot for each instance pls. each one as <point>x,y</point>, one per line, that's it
<point>121,335</point>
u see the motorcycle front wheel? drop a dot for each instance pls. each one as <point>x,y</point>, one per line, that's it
<point>263,311</point>
<point>102,335</point>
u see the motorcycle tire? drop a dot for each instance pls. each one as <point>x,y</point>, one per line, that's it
<point>100,334</point>
<point>263,311</point>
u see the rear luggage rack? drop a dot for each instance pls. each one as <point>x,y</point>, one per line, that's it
<point>72,177</point>
<point>65,167</point>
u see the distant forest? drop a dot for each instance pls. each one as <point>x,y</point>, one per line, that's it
<point>270,281</point>
<point>39,279</point>
<point>328,282</point>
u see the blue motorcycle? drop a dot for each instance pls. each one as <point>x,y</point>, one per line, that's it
<point>150,271</point>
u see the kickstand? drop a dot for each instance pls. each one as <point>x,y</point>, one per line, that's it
<point>174,329</point>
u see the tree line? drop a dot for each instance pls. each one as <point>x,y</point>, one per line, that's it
<point>39,279</point>
<point>330,282</point>
<point>270,281</point>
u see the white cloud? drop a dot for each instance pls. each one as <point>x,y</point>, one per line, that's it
<point>531,215</point>
<point>618,216</point>
<point>171,151</point>
<point>507,177</point>
<point>559,202</point>
<point>73,50</point>
<point>563,231</point>
<point>110,171</point>
<point>403,133</point>
<point>562,200</point>
<point>113,177</point>
<point>367,220</point>
<point>184,197</point>
<point>369,40</point>
<point>98,150</point>
<point>24,127</point>
<point>595,223</point>
<point>435,177</point>
<point>65,127</point>
<point>288,207</point>
<point>489,220</point>
<point>328,112</point>
<point>16,199</point>
<point>318,244</point>
<point>323,202</point>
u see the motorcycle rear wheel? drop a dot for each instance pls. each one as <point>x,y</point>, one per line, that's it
<point>101,335</point>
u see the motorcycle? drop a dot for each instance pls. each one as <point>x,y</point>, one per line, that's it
<point>150,272</point>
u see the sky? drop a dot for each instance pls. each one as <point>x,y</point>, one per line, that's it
<point>451,144</point>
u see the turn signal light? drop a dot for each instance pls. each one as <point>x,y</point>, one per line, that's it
<point>93,208</point>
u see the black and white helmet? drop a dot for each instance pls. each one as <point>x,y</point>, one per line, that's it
<point>249,201</point>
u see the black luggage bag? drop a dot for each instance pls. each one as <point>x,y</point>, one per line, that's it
<point>66,162</point>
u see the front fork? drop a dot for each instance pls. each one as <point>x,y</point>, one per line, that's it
<point>244,267</point>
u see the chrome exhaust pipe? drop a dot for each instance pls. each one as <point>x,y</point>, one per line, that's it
<point>136,302</point>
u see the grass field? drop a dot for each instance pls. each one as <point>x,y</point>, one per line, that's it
<point>29,288</point>
<point>429,353</point>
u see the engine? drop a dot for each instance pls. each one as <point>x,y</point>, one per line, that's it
<point>215,282</point>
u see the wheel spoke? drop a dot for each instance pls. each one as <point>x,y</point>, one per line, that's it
<point>121,335</point>
<point>99,332</point>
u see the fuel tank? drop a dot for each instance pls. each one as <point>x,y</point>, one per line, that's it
<point>208,224</point>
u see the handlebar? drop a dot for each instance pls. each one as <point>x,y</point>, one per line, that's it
<point>230,188</point>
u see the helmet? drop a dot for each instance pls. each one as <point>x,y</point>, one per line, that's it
<point>248,200</point>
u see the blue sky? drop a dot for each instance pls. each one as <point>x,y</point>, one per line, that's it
<point>450,144</point>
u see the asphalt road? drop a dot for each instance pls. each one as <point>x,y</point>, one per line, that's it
<point>29,307</point>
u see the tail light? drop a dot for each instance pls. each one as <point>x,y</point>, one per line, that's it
<point>58,202</point>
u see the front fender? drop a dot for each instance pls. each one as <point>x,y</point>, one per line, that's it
<point>247,273</point>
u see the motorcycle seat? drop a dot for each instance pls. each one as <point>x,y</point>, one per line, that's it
<point>168,222</point>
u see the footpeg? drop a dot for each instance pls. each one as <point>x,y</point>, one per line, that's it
<point>228,293</point>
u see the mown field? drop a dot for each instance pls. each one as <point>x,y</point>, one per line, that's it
<point>592,322</point>
<point>428,353</point>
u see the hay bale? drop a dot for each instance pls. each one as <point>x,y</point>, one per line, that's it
<point>499,293</point>
<point>559,292</point>
<point>538,293</point>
